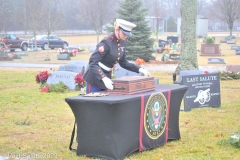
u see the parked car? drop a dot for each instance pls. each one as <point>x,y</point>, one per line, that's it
<point>42,42</point>
<point>14,42</point>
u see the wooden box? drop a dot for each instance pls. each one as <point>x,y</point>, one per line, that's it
<point>132,84</point>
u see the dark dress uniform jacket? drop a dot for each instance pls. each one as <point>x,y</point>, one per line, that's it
<point>109,52</point>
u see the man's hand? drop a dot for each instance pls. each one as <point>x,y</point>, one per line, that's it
<point>108,83</point>
<point>144,72</point>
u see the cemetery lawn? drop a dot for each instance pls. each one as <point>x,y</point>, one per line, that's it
<point>34,123</point>
<point>40,123</point>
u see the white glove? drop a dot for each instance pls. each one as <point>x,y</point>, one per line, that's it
<point>108,83</point>
<point>144,72</point>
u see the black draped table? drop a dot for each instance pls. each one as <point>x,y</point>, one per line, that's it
<point>113,126</point>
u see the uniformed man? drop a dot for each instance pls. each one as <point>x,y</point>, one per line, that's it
<point>109,51</point>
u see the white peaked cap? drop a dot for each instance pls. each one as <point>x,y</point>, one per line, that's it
<point>125,26</point>
<point>128,26</point>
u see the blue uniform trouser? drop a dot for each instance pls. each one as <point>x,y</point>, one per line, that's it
<point>90,88</point>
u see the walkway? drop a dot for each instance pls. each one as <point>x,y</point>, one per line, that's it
<point>150,68</point>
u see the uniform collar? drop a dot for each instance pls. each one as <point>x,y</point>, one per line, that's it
<point>114,37</point>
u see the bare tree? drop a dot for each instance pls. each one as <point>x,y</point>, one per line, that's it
<point>5,10</point>
<point>158,10</point>
<point>34,14</point>
<point>226,10</point>
<point>148,4</point>
<point>188,58</point>
<point>51,19</point>
<point>173,8</point>
<point>97,13</point>
<point>69,9</point>
<point>201,6</point>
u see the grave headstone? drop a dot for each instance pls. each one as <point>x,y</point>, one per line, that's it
<point>229,38</point>
<point>62,76</point>
<point>22,54</point>
<point>203,91</point>
<point>77,68</point>
<point>121,72</point>
<point>210,50</point>
<point>235,47</point>
<point>63,57</point>
<point>231,42</point>
<point>223,41</point>
<point>162,44</point>
<point>174,56</point>
<point>238,52</point>
<point>68,53</point>
<point>174,39</point>
<point>186,73</point>
<point>91,49</point>
<point>233,68</point>
<point>216,61</point>
<point>79,62</point>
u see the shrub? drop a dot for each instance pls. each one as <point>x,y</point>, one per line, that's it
<point>229,75</point>
<point>58,87</point>
<point>209,40</point>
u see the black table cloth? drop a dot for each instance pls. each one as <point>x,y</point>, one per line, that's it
<point>113,126</point>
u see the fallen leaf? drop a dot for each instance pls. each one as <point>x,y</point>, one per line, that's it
<point>208,154</point>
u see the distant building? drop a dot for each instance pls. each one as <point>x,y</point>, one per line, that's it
<point>152,22</point>
<point>201,26</point>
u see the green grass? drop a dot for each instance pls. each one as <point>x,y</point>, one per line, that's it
<point>40,123</point>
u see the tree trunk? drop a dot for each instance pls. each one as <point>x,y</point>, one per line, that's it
<point>188,57</point>
<point>230,32</point>
<point>230,28</point>
<point>98,34</point>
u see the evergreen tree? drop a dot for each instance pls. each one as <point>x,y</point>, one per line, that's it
<point>139,45</point>
<point>171,25</point>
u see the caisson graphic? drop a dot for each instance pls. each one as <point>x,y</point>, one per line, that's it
<point>155,115</point>
<point>203,96</point>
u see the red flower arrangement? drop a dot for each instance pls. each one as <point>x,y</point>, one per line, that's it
<point>139,61</point>
<point>46,89</point>
<point>42,77</point>
<point>80,82</point>
<point>74,52</point>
